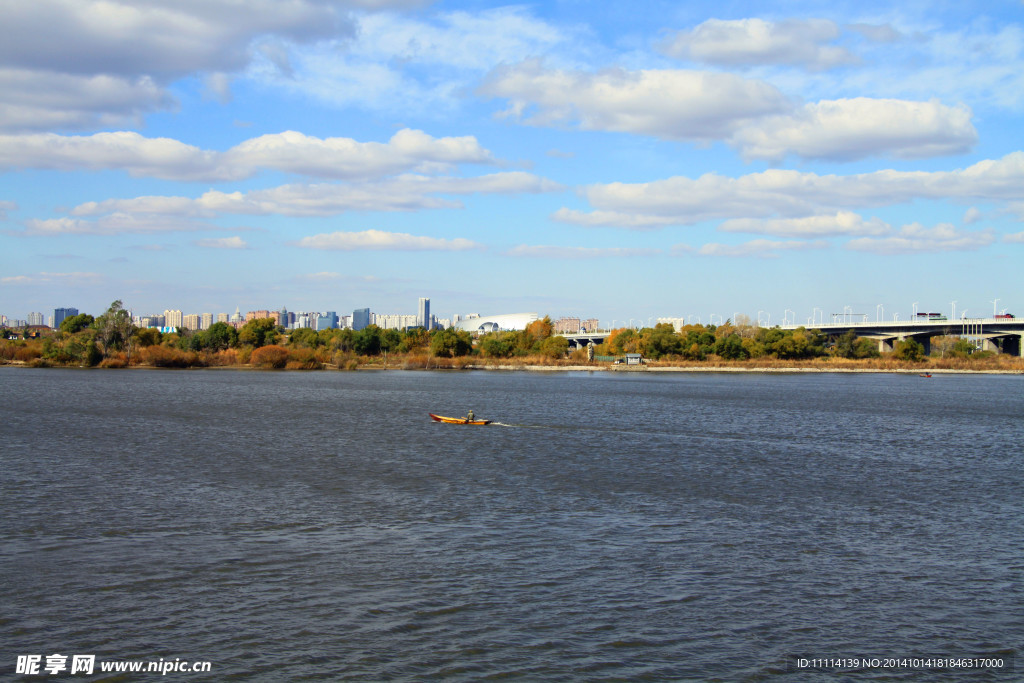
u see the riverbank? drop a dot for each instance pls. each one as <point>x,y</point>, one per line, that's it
<point>989,366</point>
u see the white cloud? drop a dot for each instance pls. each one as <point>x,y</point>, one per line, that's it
<point>1015,238</point>
<point>673,104</point>
<point>752,249</point>
<point>704,106</point>
<point>402,193</point>
<point>113,224</point>
<point>6,206</point>
<point>757,42</point>
<point>80,64</point>
<point>31,101</point>
<point>44,278</point>
<point>555,252</point>
<point>778,193</point>
<point>916,238</point>
<point>162,38</point>
<point>844,130</point>
<point>839,223</point>
<point>292,152</point>
<point>180,214</point>
<point>617,219</point>
<point>972,215</point>
<point>223,243</point>
<point>387,241</point>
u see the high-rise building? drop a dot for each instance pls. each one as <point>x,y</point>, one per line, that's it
<point>36,319</point>
<point>360,318</point>
<point>223,317</point>
<point>61,314</point>
<point>206,321</point>
<point>394,321</point>
<point>173,319</point>
<point>190,321</point>
<point>423,316</point>
<point>565,324</point>
<point>327,321</point>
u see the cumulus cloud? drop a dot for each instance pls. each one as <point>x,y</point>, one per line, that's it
<point>779,193</point>
<point>32,101</point>
<point>849,129</point>
<point>916,238</point>
<point>162,38</point>
<point>555,252</point>
<point>673,104</point>
<point>183,214</point>
<point>832,225</point>
<point>223,243</point>
<point>751,115</point>
<point>81,64</point>
<point>6,206</point>
<point>1015,238</point>
<point>757,42</point>
<point>378,240</point>
<point>291,152</point>
<point>113,224</point>
<point>402,193</point>
<point>752,249</point>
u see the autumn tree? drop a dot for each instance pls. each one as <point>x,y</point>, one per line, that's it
<point>450,342</point>
<point>114,330</point>
<point>259,332</point>
<point>76,323</point>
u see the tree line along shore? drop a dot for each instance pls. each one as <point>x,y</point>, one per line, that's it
<point>111,341</point>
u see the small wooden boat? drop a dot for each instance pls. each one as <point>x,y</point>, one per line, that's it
<point>925,374</point>
<point>457,420</point>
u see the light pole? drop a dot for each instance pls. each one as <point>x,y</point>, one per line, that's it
<point>994,302</point>
<point>879,316</point>
<point>785,318</point>
<point>915,312</point>
<point>953,316</point>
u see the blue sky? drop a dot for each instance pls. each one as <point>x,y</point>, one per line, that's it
<point>621,161</point>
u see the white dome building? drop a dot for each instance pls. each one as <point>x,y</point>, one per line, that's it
<point>495,323</point>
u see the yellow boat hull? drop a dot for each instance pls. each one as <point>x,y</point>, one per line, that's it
<point>457,420</point>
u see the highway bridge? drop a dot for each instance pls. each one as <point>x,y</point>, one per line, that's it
<point>1003,335</point>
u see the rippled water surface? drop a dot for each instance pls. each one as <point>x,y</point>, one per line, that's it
<point>611,526</point>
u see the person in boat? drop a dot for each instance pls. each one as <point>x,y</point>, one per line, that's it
<point>470,416</point>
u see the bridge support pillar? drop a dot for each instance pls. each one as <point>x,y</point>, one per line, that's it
<point>990,345</point>
<point>885,345</point>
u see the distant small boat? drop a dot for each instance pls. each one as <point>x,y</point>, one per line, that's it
<point>457,420</point>
<point>925,374</point>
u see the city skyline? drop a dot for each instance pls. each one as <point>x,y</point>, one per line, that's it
<point>601,161</point>
<point>391,319</point>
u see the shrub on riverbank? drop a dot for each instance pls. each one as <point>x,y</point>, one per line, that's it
<point>269,357</point>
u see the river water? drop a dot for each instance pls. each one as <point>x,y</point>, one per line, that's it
<point>609,526</point>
